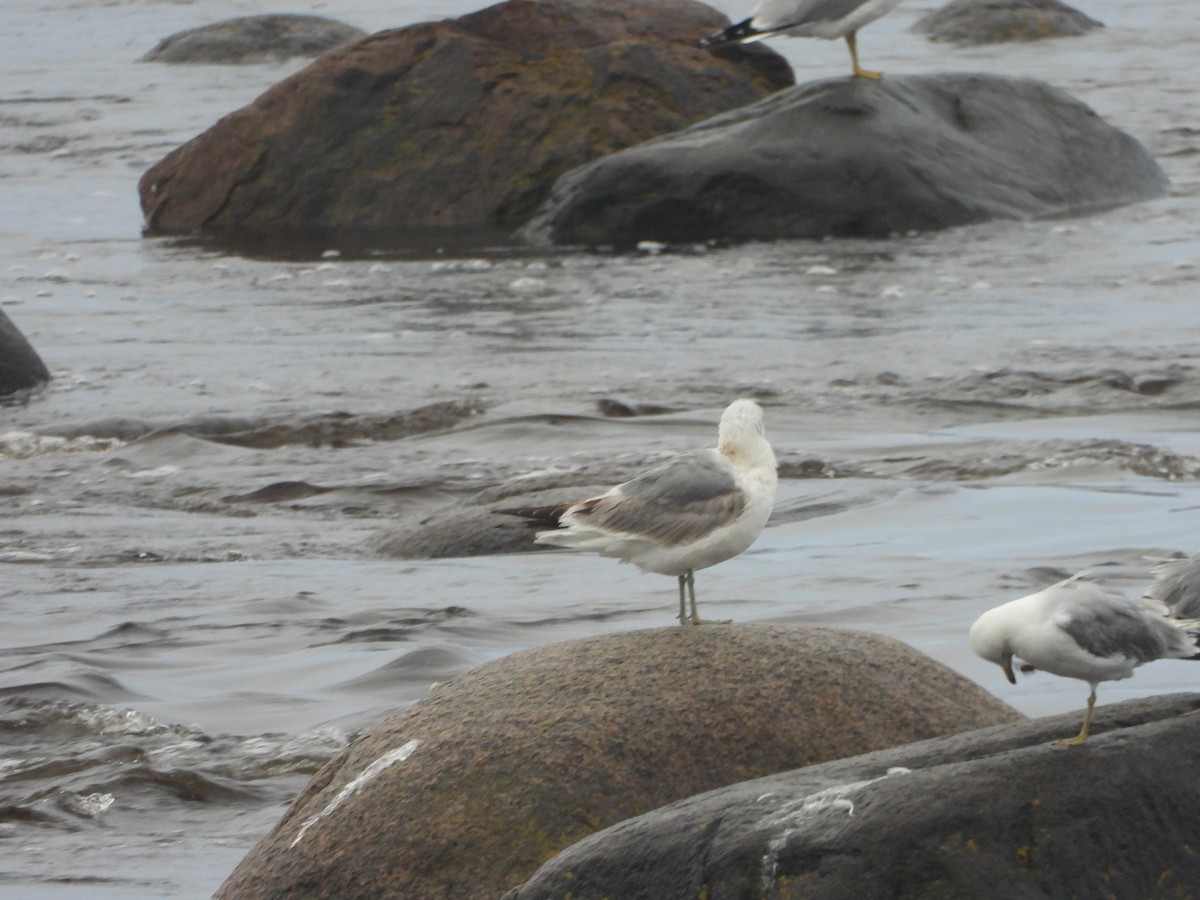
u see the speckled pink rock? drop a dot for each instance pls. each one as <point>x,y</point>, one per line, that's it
<point>468,792</point>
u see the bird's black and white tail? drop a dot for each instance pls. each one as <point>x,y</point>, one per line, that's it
<point>538,516</point>
<point>740,32</point>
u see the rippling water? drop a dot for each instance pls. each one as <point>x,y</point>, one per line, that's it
<point>190,616</point>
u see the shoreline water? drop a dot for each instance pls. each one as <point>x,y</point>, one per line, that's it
<point>959,416</point>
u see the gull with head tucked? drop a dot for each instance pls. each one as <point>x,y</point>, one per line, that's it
<point>693,511</point>
<point>1078,629</point>
<point>827,19</point>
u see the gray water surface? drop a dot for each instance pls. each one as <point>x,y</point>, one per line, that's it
<point>190,621</point>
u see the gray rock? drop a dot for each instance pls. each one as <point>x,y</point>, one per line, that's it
<point>995,814</point>
<point>468,792</point>
<point>253,39</point>
<point>1000,21</point>
<point>856,158</point>
<point>21,369</point>
<point>472,527</point>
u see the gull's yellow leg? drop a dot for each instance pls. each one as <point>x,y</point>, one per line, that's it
<point>1087,723</point>
<point>691,583</point>
<point>852,43</point>
<point>695,619</point>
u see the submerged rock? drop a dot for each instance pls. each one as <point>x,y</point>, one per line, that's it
<point>21,369</point>
<point>473,527</point>
<point>993,814</point>
<point>856,158</point>
<point>253,39</point>
<point>458,124</point>
<point>468,792</point>
<point>1000,21</point>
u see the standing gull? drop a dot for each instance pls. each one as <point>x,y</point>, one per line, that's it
<point>827,19</point>
<point>691,512</point>
<point>1177,586</point>
<point>1078,629</point>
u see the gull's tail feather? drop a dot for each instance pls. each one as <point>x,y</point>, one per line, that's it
<point>539,516</point>
<point>742,31</point>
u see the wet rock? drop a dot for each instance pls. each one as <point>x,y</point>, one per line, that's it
<point>1000,21</point>
<point>253,39</point>
<point>465,794</point>
<point>992,814</point>
<point>473,527</point>
<point>619,409</point>
<point>856,158</point>
<point>21,369</point>
<point>459,124</point>
<point>339,429</point>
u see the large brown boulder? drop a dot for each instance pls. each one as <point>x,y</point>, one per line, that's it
<point>997,814</point>
<point>467,793</point>
<point>458,124</point>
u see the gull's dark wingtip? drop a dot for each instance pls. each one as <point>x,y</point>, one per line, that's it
<point>737,32</point>
<point>539,516</point>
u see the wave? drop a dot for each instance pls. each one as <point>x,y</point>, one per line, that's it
<point>335,429</point>
<point>70,762</point>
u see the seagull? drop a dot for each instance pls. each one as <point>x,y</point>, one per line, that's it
<point>827,19</point>
<point>693,511</point>
<point>1177,586</point>
<point>1078,629</point>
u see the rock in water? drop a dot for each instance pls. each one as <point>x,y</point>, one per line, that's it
<point>856,158</point>
<point>472,527</point>
<point>1000,21</point>
<point>460,124</point>
<point>468,792</point>
<point>252,39</point>
<point>991,815</point>
<point>21,369</point>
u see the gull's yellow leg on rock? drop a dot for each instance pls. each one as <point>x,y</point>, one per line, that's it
<point>852,43</point>
<point>691,583</point>
<point>687,581</point>
<point>1087,723</point>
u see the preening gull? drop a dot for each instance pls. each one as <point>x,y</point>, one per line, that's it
<point>827,19</point>
<point>1079,629</point>
<point>691,512</point>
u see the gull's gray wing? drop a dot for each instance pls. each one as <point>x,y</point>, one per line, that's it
<point>1106,623</point>
<point>678,502</point>
<point>1177,586</point>
<point>771,15</point>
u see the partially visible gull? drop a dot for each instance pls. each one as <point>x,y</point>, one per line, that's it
<point>1177,586</point>
<point>827,19</point>
<point>1078,629</point>
<point>691,512</point>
